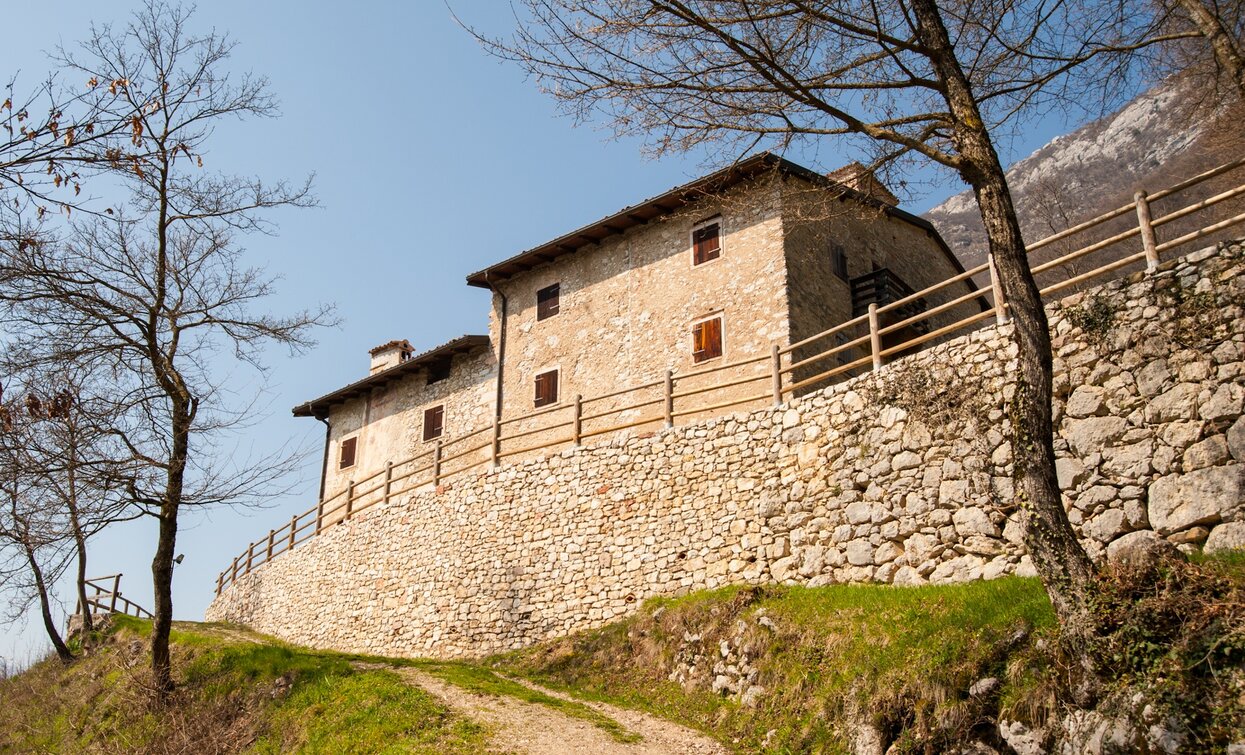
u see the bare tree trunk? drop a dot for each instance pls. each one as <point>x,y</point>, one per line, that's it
<point>1066,570</point>
<point>79,538</point>
<point>1227,48</point>
<point>45,609</point>
<point>162,582</point>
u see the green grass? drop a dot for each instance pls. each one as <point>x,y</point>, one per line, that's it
<point>371,711</point>
<point>906,656</point>
<point>259,696</point>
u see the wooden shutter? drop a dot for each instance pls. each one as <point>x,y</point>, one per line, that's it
<point>706,244</point>
<point>346,458</point>
<point>548,300</point>
<point>434,419</point>
<point>547,388</point>
<point>707,339</point>
<point>839,260</point>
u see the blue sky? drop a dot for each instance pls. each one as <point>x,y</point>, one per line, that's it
<point>432,160</point>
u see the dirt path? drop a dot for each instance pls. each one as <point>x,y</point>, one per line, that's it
<point>536,729</point>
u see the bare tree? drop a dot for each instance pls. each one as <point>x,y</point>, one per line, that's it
<point>1220,26</point>
<point>33,547</point>
<point>159,293</point>
<point>72,454</point>
<point>53,138</point>
<point>903,79</point>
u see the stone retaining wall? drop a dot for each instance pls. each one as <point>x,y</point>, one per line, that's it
<point>900,476</point>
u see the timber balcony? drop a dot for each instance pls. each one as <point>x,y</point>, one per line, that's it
<point>883,287</point>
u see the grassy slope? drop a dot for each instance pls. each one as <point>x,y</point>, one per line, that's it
<point>234,695</point>
<point>904,656</point>
<point>902,659</point>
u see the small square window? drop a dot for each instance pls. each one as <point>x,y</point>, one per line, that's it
<point>438,371</point>
<point>707,339</point>
<point>706,243</point>
<point>434,420</point>
<point>547,301</point>
<point>838,260</point>
<point>547,388</point>
<point>346,455</point>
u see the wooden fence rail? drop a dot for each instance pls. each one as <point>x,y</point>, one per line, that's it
<point>856,345</point>
<point>106,597</point>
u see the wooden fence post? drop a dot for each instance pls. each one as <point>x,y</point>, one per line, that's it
<point>250,557</point>
<point>319,516</point>
<point>293,530</point>
<point>388,479</point>
<point>776,373</point>
<point>1148,241</point>
<point>234,577</point>
<point>1000,301</point>
<point>577,424</point>
<point>875,338</point>
<point>436,464</point>
<point>116,590</point>
<point>669,411</point>
<point>349,501</point>
<point>272,534</point>
<point>220,583</point>
<point>496,441</point>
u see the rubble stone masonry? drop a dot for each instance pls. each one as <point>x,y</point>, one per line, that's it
<point>901,476</point>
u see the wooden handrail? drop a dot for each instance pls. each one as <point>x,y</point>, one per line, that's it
<point>294,533</point>
<point>537,413</point>
<point>718,368</point>
<point>632,389</point>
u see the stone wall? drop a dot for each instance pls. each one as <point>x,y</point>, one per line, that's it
<point>900,476</point>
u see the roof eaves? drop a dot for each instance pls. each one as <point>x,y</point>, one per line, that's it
<point>662,204</point>
<point>319,407</point>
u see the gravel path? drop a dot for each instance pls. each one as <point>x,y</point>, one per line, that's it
<point>535,729</point>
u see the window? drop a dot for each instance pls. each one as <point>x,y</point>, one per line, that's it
<point>838,260</point>
<point>547,388</point>
<point>346,457</point>
<point>706,243</point>
<point>434,419</point>
<point>438,371</point>
<point>547,300</point>
<point>707,339</point>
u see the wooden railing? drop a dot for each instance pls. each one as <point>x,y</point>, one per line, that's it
<point>106,597</point>
<point>865,342</point>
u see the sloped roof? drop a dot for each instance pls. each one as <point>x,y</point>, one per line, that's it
<point>320,407</point>
<point>397,343</point>
<point>680,196</point>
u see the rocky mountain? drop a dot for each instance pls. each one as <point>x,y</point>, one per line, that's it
<point>1150,143</point>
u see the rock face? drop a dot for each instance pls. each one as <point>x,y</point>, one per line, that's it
<point>1206,496</point>
<point>901,476</point>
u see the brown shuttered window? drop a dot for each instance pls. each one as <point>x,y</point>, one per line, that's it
<point>706,244</point>
<point>707,339</point>
<point>347,453</point>
<point>838,259</point>
<point>548,300</point>
<point>434,419</point>
<point>547,388</point>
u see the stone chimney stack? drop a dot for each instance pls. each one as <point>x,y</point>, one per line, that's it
<point>389,355</point>
<point>858,177</point>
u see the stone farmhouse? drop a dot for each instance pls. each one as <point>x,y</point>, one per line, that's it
<point>717,270</point>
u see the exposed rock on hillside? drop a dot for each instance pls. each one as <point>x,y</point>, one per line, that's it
<point>1150,143</point>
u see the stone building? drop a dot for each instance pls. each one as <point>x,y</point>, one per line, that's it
<point>712,273</point>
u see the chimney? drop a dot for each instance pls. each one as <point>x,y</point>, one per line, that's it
<point>858,177</point>
<point>389,355</point>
